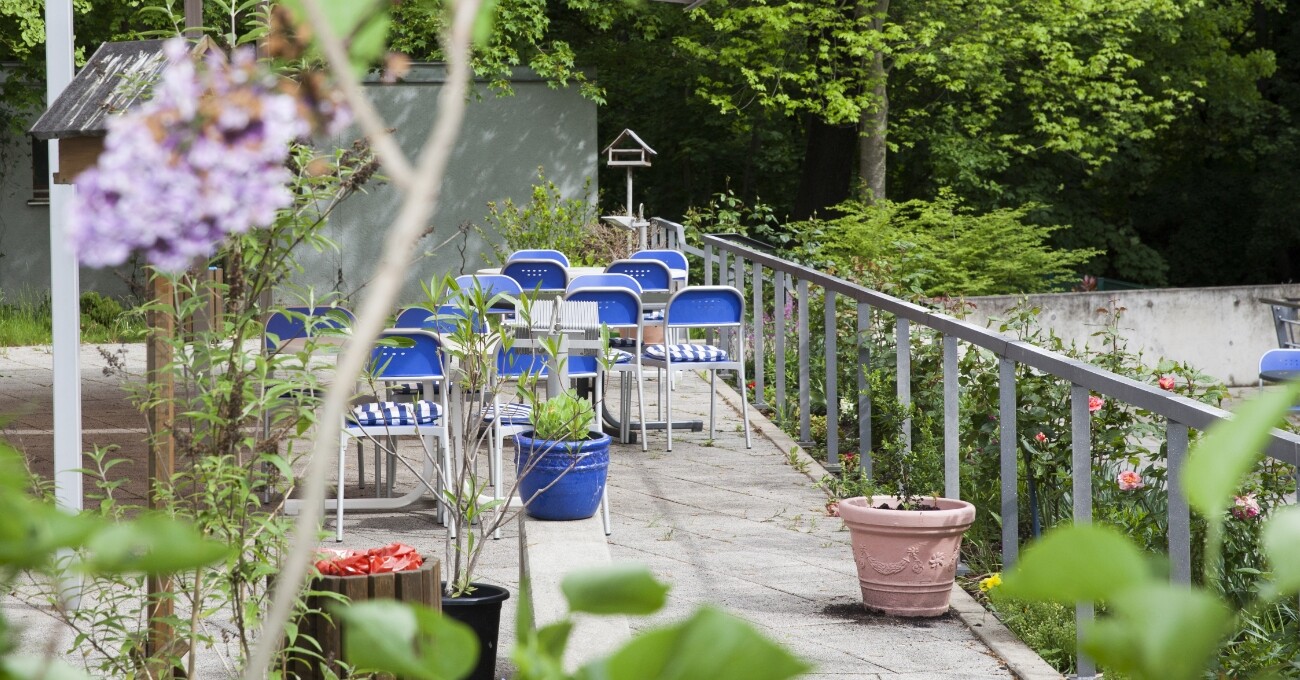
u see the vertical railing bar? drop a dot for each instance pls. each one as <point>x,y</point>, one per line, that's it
<point>951,424</point>
<point>864,387</point>
<point>903,340</point>
<point>1081,490</point>
<point>708,281</point>
<point>1007,436</point>
<point>738,282</point>
<point>832,389</point>
<point>1180,526</point>
<point>757,308</point>
<point>778,318</point>
<point>805,380</point>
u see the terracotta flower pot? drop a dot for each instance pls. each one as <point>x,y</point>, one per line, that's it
<point>907,559</point>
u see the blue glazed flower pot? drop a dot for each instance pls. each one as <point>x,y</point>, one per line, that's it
<point>574,471</point>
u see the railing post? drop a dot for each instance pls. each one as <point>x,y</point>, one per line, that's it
<point>738,282</point>
<point>1180,527</point>
<point>778,320</point>
<point>903,340</point>
<point>1081,490</point>
<point>951,425</point>
<point>760,359</point>
<point>864,387</point>
<point>832,389</point>
<point>805,424</point>
<point>1007,436</point>
<point>708,281</point>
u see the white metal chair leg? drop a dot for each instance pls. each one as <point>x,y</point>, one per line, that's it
<point>494,468</point>
<point>338,514</point>
<point>713,402</point>
<point>604,509</point>
<point>640,402</point>
<point>668,401</point>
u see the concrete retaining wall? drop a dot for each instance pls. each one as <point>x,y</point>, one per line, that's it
<point>1220,331</point>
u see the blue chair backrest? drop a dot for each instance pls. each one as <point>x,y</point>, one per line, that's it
<point>1280,360</point>
<point>539,254</point>
<point>445,320</point>
<point>423,360</point>
<point>617,306</point>
<point>651,274</point>
<point>493,285</point>
<point>513,363</point>
<point>673,258</point>
<point>293,323</point>
<point>535,274</point>
<point>604,281</point>
<point>705,306</point>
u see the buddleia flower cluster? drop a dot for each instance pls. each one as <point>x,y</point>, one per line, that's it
<point>203,158</point>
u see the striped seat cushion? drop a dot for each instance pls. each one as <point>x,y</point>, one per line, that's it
<point>394,413</point>
<point>687,352</point>
<point>513,413</point>
<point>616,341</point>
<point>620,357</point>
<point>656,315</point>
<point>406,389</point>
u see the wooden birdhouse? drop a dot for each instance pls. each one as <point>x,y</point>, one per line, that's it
<point>117,76</point>
<point>628,151</point>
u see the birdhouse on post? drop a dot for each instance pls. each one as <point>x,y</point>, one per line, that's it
<point>629,151</point>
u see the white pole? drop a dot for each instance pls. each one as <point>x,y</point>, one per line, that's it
<point>65,289</point>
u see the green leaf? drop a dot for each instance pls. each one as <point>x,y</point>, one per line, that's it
<point>153,544</point>
<point>1160,631</point>
<point>484,23</point>
<point>362,26</point>
<point>619,589</point>
<point>411,641</point>
<point>711,645</point>
<point>1217,463</point>
<point>554,637</point>
<point>1077,563</point>
<point>38,667</point>
<point>1281,537</point>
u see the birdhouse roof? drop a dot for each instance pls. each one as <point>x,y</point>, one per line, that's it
<point>628,133</point>
<point>117,76</point>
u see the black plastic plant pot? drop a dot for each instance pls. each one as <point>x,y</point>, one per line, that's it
<point>481,611</point>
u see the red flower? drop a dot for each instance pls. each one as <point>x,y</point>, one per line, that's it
<point>1095,403</point>
<point>750,384</point>
<point>1166,382</point>
<point>1040,438</point>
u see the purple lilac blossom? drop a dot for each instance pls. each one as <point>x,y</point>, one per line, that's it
<point>204,158</point>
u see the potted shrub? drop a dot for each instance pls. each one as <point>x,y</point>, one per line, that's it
<point>562,465</point>
<point>906,542</point>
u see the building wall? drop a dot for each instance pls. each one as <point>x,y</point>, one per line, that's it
<point>25,233</point>
<point>502,144</point>
<point>1220,331</point>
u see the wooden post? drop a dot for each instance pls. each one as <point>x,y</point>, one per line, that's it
<point>162,453</point>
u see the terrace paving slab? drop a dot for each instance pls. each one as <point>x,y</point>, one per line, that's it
<point>727,526</point>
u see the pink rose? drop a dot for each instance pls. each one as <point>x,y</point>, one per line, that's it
<point>1040,438</point>
<point>1166,382</point>
<point>1095,404</point>
<point>1129,480</point>
<point>1245,507</point>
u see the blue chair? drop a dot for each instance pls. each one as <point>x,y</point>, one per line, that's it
<point>502,291</point>
<point>420,360</point>
<point>604,281</point>
<point>675,259</point>
<point>1279,365</point>
<point>619,308</point>
<point>300,323</point>
<point>546,275</point>
<point>539,254</point>
<point>653,275</point>
<point>712,307</point>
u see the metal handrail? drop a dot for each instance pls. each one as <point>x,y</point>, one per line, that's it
<point>1181,413</point>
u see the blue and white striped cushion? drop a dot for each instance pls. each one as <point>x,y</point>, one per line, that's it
<point>620,357</point>
<point>406,389</point>
<point>395,413</point>
<point>657,315</point>
<point>686,353</point>
<point>513,413</point>
<point>617,341</point>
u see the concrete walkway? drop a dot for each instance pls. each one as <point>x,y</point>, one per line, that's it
<point>740,529</point>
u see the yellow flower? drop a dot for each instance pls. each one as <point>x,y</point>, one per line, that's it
<point>991,582</point>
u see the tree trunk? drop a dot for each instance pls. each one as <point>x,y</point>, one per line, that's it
<point>874,123</point>
<point>824,178</point>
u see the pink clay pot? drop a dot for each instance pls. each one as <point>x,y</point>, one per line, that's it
<point>907,559</point>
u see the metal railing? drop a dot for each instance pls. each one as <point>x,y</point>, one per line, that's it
<point>746,265</point>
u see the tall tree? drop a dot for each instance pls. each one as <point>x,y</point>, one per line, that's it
<point>893,70</point>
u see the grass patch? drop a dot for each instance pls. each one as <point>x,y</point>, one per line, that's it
<point>27,321</point>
